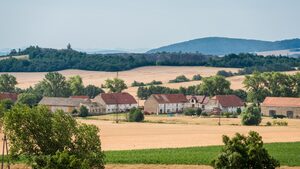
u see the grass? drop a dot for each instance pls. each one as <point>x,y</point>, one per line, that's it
<point>287,153</point>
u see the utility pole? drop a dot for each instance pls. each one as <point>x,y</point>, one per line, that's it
<point>3,152</point>
<point>117,115</point>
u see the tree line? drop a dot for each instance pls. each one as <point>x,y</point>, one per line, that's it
<point>46,59</point>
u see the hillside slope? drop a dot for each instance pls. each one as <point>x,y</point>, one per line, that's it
<point>223,46</point>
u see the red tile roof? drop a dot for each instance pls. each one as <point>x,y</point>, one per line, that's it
<point>11,96</point>
<point>200,99</point>
<point>118,98</point>
<point>79,97</point>
<point>170,98</point>
<point>229,100</point>
<point>281,102</point>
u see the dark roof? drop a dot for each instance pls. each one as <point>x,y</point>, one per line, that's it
<point>229,100</point>
<point>170,98</point>
<point>62,101</point>
<point>118,98</point>
<point>199,98</point>
<point>281,102</point>
<point>11,96</point>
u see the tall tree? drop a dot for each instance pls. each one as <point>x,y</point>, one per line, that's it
<point>7,83</point>
<point>55,85</point>
<point>92,91</point>
<point>215,85</point>
<point>76,85</point>
<point>115,85</point>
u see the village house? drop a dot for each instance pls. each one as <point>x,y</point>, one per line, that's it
<point>224,103</point>
<point>60,103</point>
<point>287,106</point>
<point>165,103</point>
<point>196,101</point>
<point>116,102</point>
<point>11,96</point>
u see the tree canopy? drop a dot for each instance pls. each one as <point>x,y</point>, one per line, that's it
<point>115,85</point>
<point>7,83</point>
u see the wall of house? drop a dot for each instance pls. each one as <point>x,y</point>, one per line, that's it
<point>67,109</point>
<point>265,110</point>
<point>171,107</point>
<point>151,105</point>
<point>211,105</point>
<point>111,108</point>
<point>231,109</point>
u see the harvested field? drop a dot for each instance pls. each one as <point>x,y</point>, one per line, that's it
<point>201,132</point>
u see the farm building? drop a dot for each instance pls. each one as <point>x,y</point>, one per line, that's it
<point>196,101</point>
<point>61,103</point>
<point>11,96</point>
<point>116,102</point>
<point>165,103</point>
<point>287,106</point>
<point>224,103</point>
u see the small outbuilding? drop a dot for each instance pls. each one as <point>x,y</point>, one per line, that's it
<point>286,106</point>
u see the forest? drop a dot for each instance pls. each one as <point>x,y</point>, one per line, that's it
<point>47,59</point>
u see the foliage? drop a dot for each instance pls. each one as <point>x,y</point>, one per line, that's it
<point>240,93</point>
<point>280,123</point>
<point>251,116</point>
<point>35,132</point>
<point>189,112</point>
<point>179,79</point>
<point>135,83</point>
<point>7,83</point>
<point>261,85</point>
<point>83,111</point>
<point>29,99</point>
<point>55,85</point>
<point>244,152</point>
<point>115,85</point>
<point>238,111</point>
<point>225,73</point>
<point>214,85</point>
<point>197,77</point>
<point>268,124</point>
<point>136,115</point>
<point>154,82</point>
<point>92,91</point>
<point>76,85</point>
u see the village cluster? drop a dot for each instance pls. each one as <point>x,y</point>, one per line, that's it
<point>106,103</point>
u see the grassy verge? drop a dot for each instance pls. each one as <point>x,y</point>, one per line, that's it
<point>287,153</point>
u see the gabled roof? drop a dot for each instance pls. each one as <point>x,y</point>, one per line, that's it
<point>80,97</point>
<point>11,96</point>
<point>118,98</point>
<point>229,100</point>
<point>170,98</point>
<point>199,98</point>
<point>62,101</point>
<point>281,102</point>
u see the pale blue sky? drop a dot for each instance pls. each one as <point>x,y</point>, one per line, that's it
<point>131,24</point>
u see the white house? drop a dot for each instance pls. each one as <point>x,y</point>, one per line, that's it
<point>197,101</point>
<point>165,103</point>
<point>224,103</point>
<point>116,102</point>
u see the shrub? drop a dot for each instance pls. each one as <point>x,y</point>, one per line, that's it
<point>197,77</point>
<point>268,124</point>
<point>136,83</point>
<point>154,82</point>
<point>280,123</point>
<point>83,111</point>
<point>179,79</point>
<point>198,112</point>
<point>136,115</point>
<point>238,111</point>
<point>241,152</point>
<point>251,116</point>
<point>227,114</point>
<point>225,73</point>
<point>204,114</point>
<point>189,112</point>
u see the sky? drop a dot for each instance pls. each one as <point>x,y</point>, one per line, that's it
<point>142,24</point>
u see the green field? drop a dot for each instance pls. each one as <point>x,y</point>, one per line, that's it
<point>287,153</point>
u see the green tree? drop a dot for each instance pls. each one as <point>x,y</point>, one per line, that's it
<point>251,116</point>
<point>36,132</point>
<point>7,83</point>
<point>197,77</point>
<point>136,115</point>
<point>214,85</point>
<point>92,91</point>
<point>76,85</point>
<point>244,152</point>
<point>29,99</point>
<point>115,85</point>
<point>55,85</point>
<point>83,111</point>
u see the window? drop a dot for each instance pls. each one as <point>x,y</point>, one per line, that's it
<point>290,114</point>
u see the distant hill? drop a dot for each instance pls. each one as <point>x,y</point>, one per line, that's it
<point>223,46</point>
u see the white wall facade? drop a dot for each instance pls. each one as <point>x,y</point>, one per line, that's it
<point>111,108</point>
